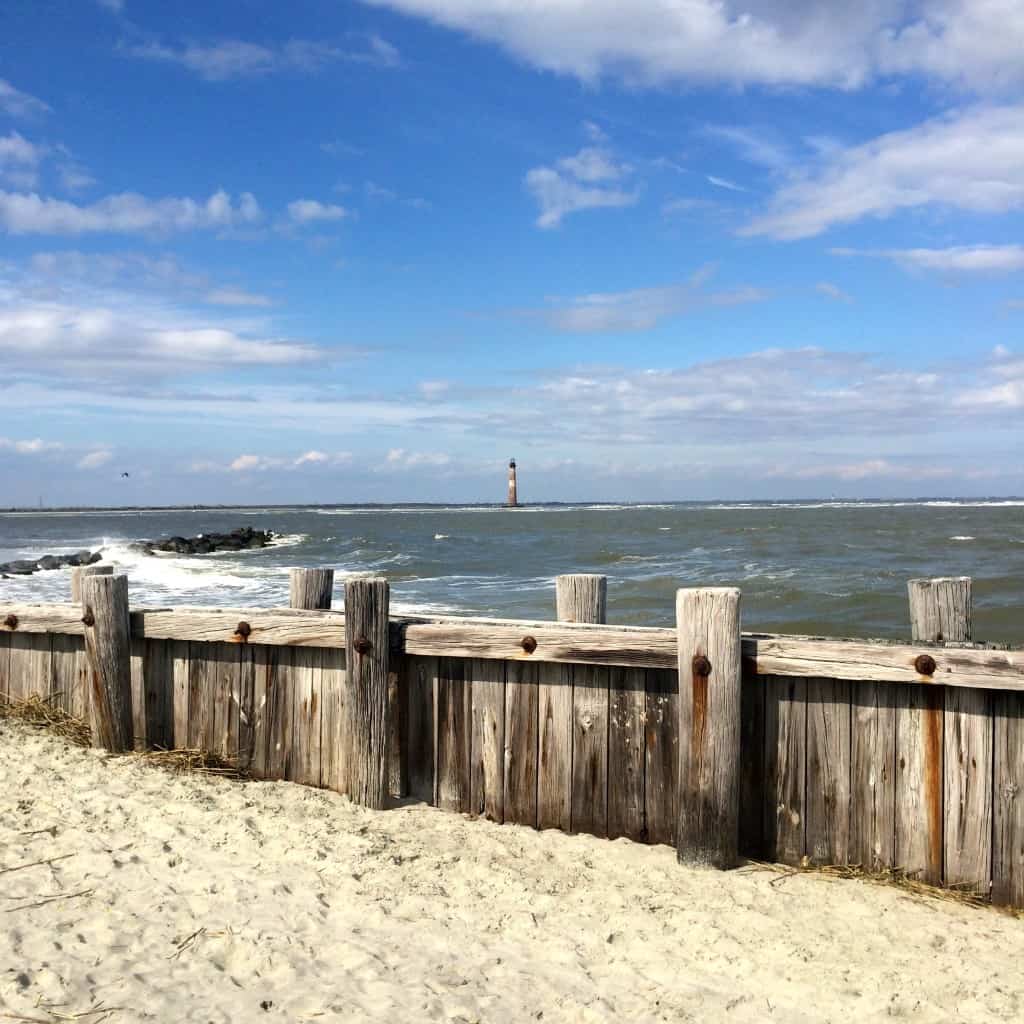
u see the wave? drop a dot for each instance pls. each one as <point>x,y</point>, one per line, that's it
<point>961,537</point>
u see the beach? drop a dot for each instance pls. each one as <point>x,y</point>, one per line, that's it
<point>203,899</point>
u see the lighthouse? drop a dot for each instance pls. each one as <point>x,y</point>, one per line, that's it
<point>513,497</point>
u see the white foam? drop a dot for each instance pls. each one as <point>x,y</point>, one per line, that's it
<point>961,537</point>
<point>441,536</point>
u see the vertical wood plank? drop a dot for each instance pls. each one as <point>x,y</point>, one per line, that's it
<point>152,693</point>
<point>29,671</point>
<point>304,763</point>
<point>1008,823</point>
<point>67,673</point>
<point>554,768</point>
<point>626,703</point>
<point>827,805</point>
<point>785,750</point>
<point>752,794</point>
<point>919,789</point>
<point>590,686</point>
<point>487,744</point>
<point>5,665</point>
<point>967,800</point>
<point>108,654</point>
<point>873,776</point>
<point>417,688</point>
<point>521,743</point>
<point>180,673</point>
<point>138,671</point>
<point>333,691</point>
<point>661,758</point>
<point>278,712</point>
<point>454,734</point>
<point>248,709</point>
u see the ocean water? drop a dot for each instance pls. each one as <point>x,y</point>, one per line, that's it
<point>832,568</point>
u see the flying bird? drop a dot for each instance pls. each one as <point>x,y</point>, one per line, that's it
<point>125,475</point>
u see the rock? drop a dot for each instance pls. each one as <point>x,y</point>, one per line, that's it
<point>50,562</point>
<point>19,567</point>
<point>241,539</point>
<point>79,558</point>
<point>96,556</point>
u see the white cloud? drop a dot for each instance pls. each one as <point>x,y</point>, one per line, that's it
<point>755,147</point>
<point>399,458</point>
<point>19,160</point>
<point>19,104</point>
<point>308,211</point>
<point>968,259</point>
<point>731,186</point>
<point>573,185</point>
<point>235,297</point>
<point>746,42</point>
<point>127,213</point>
<point>254,463</point>
<point>95,459</point>
<point>832,291</point>
<point>35,446</point>
<point>967,159</point>
<point>250,463</point>
<point>237,58</point>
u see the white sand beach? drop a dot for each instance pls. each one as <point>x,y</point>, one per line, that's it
<point>207,900</point>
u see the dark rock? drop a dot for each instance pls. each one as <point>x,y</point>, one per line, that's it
<point>96,556</point>
<point>50,562</point>
<point>79,558</point>
<point>19,567</point>
<point>240,539</point>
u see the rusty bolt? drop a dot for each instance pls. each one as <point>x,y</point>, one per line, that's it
<point>11,622</point>
<point>924,664</point>
<point>362,645</point>
<point>87,618</point>
<point>701,665</point>
<point>243,630</point>
<point>528,644</point>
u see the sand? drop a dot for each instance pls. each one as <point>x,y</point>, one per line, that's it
<point>202,899</point>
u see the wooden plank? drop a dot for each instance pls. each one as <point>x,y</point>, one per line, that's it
<point>521,739</point>
<point>967,800</point>
<point>454,734</point>
<point>873,776</point>
<point>827,801</point>
<point>304,763</point>
<point>398,776</point>
<point>278,712</point>
<point>785,751</point>
<point>5,664</point>
<point>272,627</point>
<point>554,767</point>
<point>248,710</point>
<point>661,753</point>
<point>108,655</point>
<point>310,588</point>
<point>1008,817</point>
<point>152,692</point>
<point>333,692</point>
<point>919,757</point>
<point>940,609</point>
<point>202,682</point>
<point>487,744</point>
<point>139,734</point>
<point>589,810</point>
<point>752,791</point>
<point>68,682</point>
<point>29,668</point>
<point>42,618</point>
<point>180,678</point>
<point>417,687</point>
<point>626,705</point>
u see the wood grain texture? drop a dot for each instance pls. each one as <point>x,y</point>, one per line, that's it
<point>708,626</point>
<point>307,706</point>
<point>310,588</point>
<point>940,609</point>
<point>785,751</point>
<point>80,572</point>
<point>30,665</point>
<point>967,800</point>
<point>487,743</point>
<point>521,743</point>
<point>5,664</point>
<point>661,754</point>
<point>152,693</point>
<point>417,688</point>
<point>454,734</point>
<point>554,752</point>
<point>247,710</point>
<point>274,627</point>
<point>752,790</point>
<point>873,776</point>
<point>180,682</point>
<point>581,597</point>
<point>589,797</point>
<point>108,654</point>
<point>68,673</point>
<point>919,788</point>
<point>626,742</point>
<point>827,800</point>
<point>366,709</point>
<point>333,696</point>
<point>1008,812</point>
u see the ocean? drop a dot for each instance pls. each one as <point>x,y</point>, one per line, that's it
<point>833,568</point>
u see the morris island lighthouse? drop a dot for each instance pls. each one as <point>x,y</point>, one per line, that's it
<point>513,497</point>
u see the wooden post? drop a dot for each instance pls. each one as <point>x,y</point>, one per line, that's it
<point>80,572</point>
<point>708,627</point>
<point>108,658</point>
<point>940,609</point>
<point>366,711</point>
<point>310,588</point>
<point>581,597</point>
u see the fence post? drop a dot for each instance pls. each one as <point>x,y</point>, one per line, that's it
<point>581,597</point>
<point>80,572</point>
<point>108,659</point>
<point>310,588</point>
<point>366,710</point>
<point>940,609</point>
<point>708,627</point>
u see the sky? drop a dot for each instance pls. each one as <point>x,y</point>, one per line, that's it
<point>340,251</point>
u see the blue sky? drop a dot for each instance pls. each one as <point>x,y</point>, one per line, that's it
<point>341,251</point>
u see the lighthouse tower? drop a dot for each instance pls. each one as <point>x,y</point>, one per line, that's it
<point>513,497</point>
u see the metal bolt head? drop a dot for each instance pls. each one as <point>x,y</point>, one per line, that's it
<point>11,622</point>
<point>701,665</point>
<point>924,664</point>
<point>362,645</point>
<point>528,644</point>
<point>243,630</point>
<point>88,618</point>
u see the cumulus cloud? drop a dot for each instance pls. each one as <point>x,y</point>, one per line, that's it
<point>966,160</point>
<point>16,103</point>
<point>126,213</point>
<point>93,460</point>
<point>34,446</point>
<point>19,160</point>
<point>976,43</point>
<point>966,259</point>
<point>308,211</point>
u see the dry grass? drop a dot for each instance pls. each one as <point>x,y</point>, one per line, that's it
<point>42,713</point>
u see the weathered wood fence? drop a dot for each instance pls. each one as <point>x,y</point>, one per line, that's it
<point>791,749</point>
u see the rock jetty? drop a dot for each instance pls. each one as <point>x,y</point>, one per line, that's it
<point>242,539</point>
<point>27,566</point>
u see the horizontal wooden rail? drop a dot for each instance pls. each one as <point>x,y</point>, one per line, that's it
<point>969,665</point>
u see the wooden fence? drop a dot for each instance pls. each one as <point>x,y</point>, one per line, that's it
<point>888,755</point>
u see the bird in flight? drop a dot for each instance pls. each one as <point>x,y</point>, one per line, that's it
<point>125,475</point>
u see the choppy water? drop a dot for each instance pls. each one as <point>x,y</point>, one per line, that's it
<point>835,568</point>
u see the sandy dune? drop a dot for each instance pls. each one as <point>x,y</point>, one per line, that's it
<point>207,900</point>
